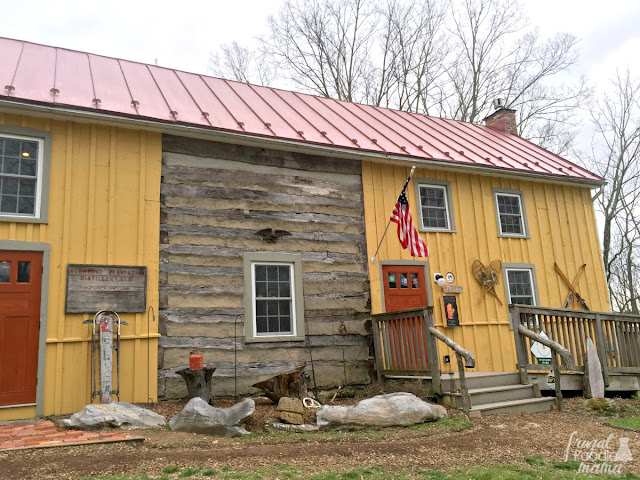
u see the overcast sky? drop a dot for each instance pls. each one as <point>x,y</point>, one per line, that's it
<point>181,34</point>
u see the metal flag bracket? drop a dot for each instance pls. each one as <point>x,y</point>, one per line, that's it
<point>102,341</point>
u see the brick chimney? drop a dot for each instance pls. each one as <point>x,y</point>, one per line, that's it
<point>503,120</point>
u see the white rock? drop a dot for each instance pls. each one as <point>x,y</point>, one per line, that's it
<point>394,409</point>
<point>114,415</point>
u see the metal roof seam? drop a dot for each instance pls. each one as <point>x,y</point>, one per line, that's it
<point>363,110</point>
<point>479,135</point>
<point>440,125</point>
<point>383,111</point>
<point>337,102</point>
<point>295,129</point>
<point>235,119</point>
<point>15,70</point>
<point>393,116</point>
<point>134,104</point>
<point>95,100</point>
<point>55,76</point>
<point>567,163</point>
<point>281,97</point>
<point>250,108</point>
<point>301,97</point>
<point>206,117</point>
<point>172,112</point>
<point>488,132</point>
<point>415,119</point>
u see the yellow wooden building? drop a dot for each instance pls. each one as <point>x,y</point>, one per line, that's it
<point>558,226</point>
<point>98,204</point>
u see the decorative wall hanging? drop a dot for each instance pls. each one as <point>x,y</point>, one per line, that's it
<point>574,297</point>
<point>487,276</point>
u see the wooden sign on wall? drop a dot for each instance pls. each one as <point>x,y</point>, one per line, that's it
<point>91,288</point>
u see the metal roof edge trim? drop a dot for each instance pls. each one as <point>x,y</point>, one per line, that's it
<point>204,133</point>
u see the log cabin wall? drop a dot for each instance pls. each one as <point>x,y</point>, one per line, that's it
<point>215,197</point>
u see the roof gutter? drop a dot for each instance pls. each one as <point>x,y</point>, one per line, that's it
<point>64,113</point>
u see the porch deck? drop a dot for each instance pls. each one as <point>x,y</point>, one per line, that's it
<point>406,349</point>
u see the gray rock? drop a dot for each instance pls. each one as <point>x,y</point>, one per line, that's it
<point>394,409</point>
<point>593,381</point>
<point>199,417</point>
<point>114,415</point>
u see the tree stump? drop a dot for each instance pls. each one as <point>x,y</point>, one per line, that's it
<point>288,384</point>
<point>198,382</point>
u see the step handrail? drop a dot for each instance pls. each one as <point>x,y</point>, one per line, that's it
<point>556,349</point>
<point>470,362</point>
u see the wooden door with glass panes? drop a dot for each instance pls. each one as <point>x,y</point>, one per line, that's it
<point>404,287</point>
<point>20,283</point>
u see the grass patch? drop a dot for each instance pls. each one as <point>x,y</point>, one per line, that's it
<point>453,424</point>
<point>171,469</point>
<point>535,469</point>
<point>534,460</point>
<point>573,465</point>
<point>631,423</point>
<point>188,472</point>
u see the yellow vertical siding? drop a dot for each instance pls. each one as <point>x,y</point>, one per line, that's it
<point>562,229</point>
<point>104,208</point>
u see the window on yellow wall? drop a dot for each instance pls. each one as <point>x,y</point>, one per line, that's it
<point>24,172</point>
<point>510,213</point>
<point>434,205</point>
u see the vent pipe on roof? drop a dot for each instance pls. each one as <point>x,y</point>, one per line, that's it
<point>503,119</point>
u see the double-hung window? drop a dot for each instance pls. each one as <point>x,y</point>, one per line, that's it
<point>510,213</point>
<point>273,297</point>
<point>520,284</point>
<point>434,205</point>
<point>24,172</point>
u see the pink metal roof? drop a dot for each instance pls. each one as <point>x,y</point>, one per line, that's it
<point>40,74</point>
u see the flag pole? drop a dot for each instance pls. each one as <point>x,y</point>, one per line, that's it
<point>375,255</point>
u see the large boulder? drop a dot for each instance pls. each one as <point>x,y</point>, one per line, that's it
<point>392,410</point>
<point>199,417</point>
<point>114,415</point>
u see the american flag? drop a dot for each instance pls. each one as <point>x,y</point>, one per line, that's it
<point>407,234</point>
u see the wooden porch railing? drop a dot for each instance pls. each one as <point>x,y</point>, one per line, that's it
<point>616,337</point>
<point>406,344</point>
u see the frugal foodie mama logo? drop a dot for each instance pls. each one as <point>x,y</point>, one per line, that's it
<point>598,455</point>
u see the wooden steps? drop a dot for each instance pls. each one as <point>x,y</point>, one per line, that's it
<point>492,393</point>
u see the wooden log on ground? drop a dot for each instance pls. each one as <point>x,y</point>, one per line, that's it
<point>288,384</point>
<point>198,382</point>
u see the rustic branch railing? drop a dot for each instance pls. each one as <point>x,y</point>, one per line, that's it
<point>616,337</point>
<point>461,353</point>
<point>556,350</point>
<point>405,344</point>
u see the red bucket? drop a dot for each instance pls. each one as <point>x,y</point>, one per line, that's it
<point>195,361</point>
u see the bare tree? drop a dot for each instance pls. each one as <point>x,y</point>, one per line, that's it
<point>236,62</point>
<point>616,156</point>
<point>449,58</point>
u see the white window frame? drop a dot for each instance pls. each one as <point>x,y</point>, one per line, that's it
<point>445,186</point>
<point>530,269</point>
<point>294,262</point>
<point>41,197</point>
<point>523,213</point>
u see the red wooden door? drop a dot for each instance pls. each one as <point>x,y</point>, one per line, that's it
<point>404,287</point>
<point>20,283</point>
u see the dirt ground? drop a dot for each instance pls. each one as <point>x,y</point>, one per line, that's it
<point>498,439</point>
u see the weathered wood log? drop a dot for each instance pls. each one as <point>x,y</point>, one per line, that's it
<point>288,384</point>
<point>198,382</point>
